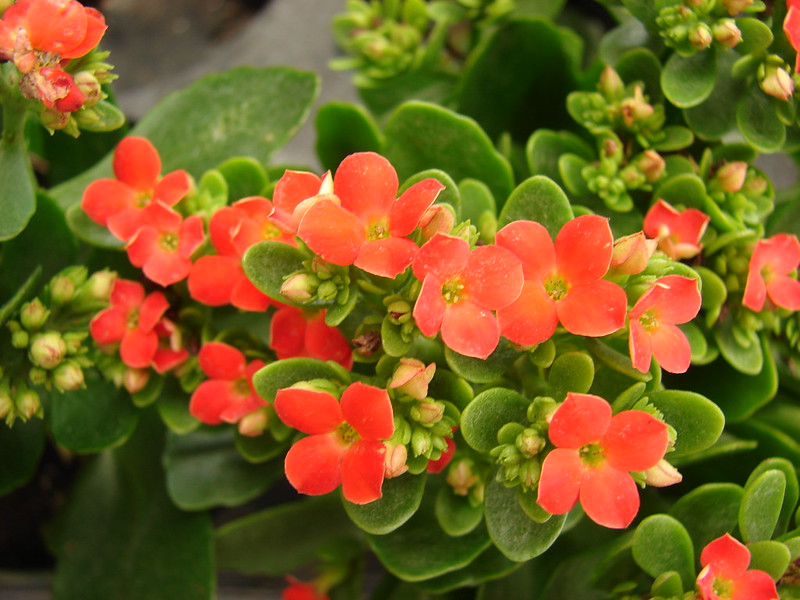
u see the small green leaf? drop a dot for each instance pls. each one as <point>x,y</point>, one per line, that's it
<point>245,177</point>
<point>570,171</point>
<point>791,493</point>
<point>756,36</point>
<point>17,193</point>
<point>769,556</point>
<point>482,370</point>
<point>285,373</point>
<point>571,372</point>
<point>761,505</point>
<point>688,80</point>
<point>698,421</point>
<point>21,446</point>
<point>667,585</point>
<point>204,470</point>
<point>757,118</point>
<point>392,339</point>
<point>661,543</point>
<point>422,136</point>
<point>455,514</point>
<point>476,199</point>
<point>709,511</point>
<point>343,129</point>
<point>106,117</point>
<point>539,199</point>
<point>89,231</point>
<point>641,65</point>
<point>401,499</point>
<point>545,148</point>
<point>488,412</point>
<point>267,264</point>
<point>676,137</point>
<point>683,191</point>
<point>516,535</point>
<point>173,407</point>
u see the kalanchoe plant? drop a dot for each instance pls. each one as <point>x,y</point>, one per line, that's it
<point>536,336</point>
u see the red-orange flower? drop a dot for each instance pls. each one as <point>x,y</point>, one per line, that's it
<point>299,590</point>
<point>170,351</point>
<point>791,27</point>
<point>164,244</point>
<point>218,279</point>
<point>64,28</point>
<point>295,332</point>
<point>368,226</point>
<point>671,301</point>
<point>768,276</point>
<point>130,320</point>
<point>228,395</point>
<point>345,441</point>
<point>294,194</point>
<point>725,575</point>
<point>118,203</point>
<point>594,455</point>
<point>460,289</point>
<point>563,281</point>
<point>678,232</point>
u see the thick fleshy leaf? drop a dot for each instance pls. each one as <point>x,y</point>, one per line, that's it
<point>483,370</point>
<point>17,192</point>
<point>761,505</point>
<point>400,500</point>
<point>343,129</point>
<point>708,511</point>
<point>635,441</point>
<point>662,544</point>
<point>488,412</point>
<point>791,492</point>
<point>310,411</point>
<point>313,464</point>
<point>688,80</point>
<point>696,419</point>
<point>362,472</point>
<point>560,481</point>
<point>24,442</point>
<point>284,373</point>
<point>757,118</point>
<point>581,419</point>
<point>455,514</point>
<point>267,264</point>
<point>537,199</point>
<point>609,497</point>
<point>369,411</point>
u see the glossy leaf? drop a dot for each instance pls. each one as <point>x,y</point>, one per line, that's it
<point>708,511</point>
<point>539,199</point>
<point>343,129</point>
<point>769,556</point>
<point>761,505</point>
<point>401,499</point>
<point>697,421</point>
<point>489,565</point>
<point>455,514</point>
<point>757,118</point>
<point>688,80</point>
<point>791,493</point>
<point>488,412</point>
<point>660,544</point>
<point>17,192</point>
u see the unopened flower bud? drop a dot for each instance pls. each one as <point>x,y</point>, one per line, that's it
<point>135,380</point>
<point>20,339</point>
<point>99,285</point>
<point>412,377</point>
<point>428,412</point>
<point>636,108</point>
<point>33,315</point>
<point>530,442</point>
<point>74,341</point>
<point>62,290</point>
<point>53,119</point>
<point>632,253</point>
<point>68,376</point>
<point>300,287</point>
<point>399,312</point>
<point>756,185</point>
<point>461,476</point>
<point>89,86</point>
<point>611,85</point>
<point>395,460</point>
<point>7,408</point>
<point>651,165</point>
<point>37,376</point>
<point>438,218</point>
<point>734,7</point>
<point>420,442</point>
<point>700,37</point>
<point>47,349</point>
<point>542,409</point>
<point>529,472</point>
<point>254,423</point>
<point>662,474</point>
<point>726,33</point>
<point>27,403</point>
<point>327,291</point>
<point>731,175</point>
<point>777,83</point>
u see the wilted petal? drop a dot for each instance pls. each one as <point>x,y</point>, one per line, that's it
<point>609,497</point>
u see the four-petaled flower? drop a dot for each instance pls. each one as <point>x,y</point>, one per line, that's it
<point>460,289</point>
<point>294,194</point>
<point>594,455</point>
<point>164,244</point>
<point>563,281</point>
<point>296,332</point>
<point>725,575</point>
<point>345,442</point>
<point>130,320</point>
<point>678,232</point>
<point>791,27</point>
<point>228,395</point>
<point>671,301</point>
<point>771,263</point>
<point>218,279</point>
<point>300,590</point>
<point>118,203</point>
<point>368,226</point>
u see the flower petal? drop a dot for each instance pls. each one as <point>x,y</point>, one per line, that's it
<point>368,410</point>
<point>755,290</point>
<point>387,257</point>
<point>784,292</point>
<point>531,242</point>
<point>109,325</point>
<point>609,497</point>
<point>430,306</point>
<point>246,296</point>
<point>727,556</point>
<point>584,247</point>
<point>531,318</point>
<point>754,585</point>
<point>172,187</point>
<point>136,163</point>
<point>327,343</point>
<point>95,28</point>
<point>211,279</point>
<point>594,309</point>
<point>672,299</point>
<point>152,309</point>
<point>138,347</point>
<point>366,183</point>
<point>443,255</point>
<point>363,471</point>
<point>313,464</point>
<point>221,361</point>
<point>671,348</point>
<point>639,347</point>
<point>470,329</point>
<point>287,332</point>
<point>581,419</point>
<point>560,481</point>
<point>492,277</point>
<point>332,232</point>
<point>635,441</point>
<point>106,197</point>
<point>127,293</point>
<point>209,400</point>
<point>408,209</point>
<point>309,411</point>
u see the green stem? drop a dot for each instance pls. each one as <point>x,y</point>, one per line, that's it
<point>15,111</point>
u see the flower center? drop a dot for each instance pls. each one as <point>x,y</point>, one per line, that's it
<point>169,241</point>
<point>453,291</point>
<point>133,319</point>
<point>346,434</point>
<point>270,232</point>
<point>722,588</point>
<point>242,387</point>
<point>648,321</point>
<point>591,455</point>
<point>143,198</point>
<point>378,230</point>
<point>556,287</point>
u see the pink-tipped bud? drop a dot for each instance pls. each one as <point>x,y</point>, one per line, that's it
<point>254,423</point>
<point>731,175</point>
<point>778,83</point>
<point>726,33</point>
<point>300,287</point>
<point>438,218</point>
<point>461,476</point>
<point>28,404</point>
<point>134,380</point>
<point>611,84</point>
<point>395,461</point>
<point>412,377</point>
<point>662,475</point>
<point>68,376</point>
<point>33,315</point>
<point>651,164</point>
<point>47,349</point>
<point>428,412</point>
<point>632,253</point>
<point>90,87</point>
<point>700,37</point>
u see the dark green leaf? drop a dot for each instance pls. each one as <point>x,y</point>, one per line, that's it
<point>284,373</point>
<point>688,80</point>
<point>21,295</point>
<point>21,447</point>
<point>660,544</point>
<point>455,514</point>
<point>791,493</point>
<point>756,36</point>
<point>757,118</point>
<point>769,556</point>
<point>539,199</point>
<point>761,505</point>
<point>708,512</point>
<point>343,129</point>
<point>17,193</point>
<point>245,177</point>
<point>489,565</point>
<point>401,498</point>
<point>546,147</point>
<point>488,412</point>
<point>698,421</point>
<point>267,264</point>
<point>482,370</point>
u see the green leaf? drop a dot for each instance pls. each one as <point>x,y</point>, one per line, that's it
<point>640,64</point>
<point>173,407</point>
<point>488,412</point>
<point>21,446</point>
<point>449,195</point>
<point>708,511</point>
<point>502,83</point>
<point>741,348</point>
<point>259,448</point>
<point>761,505</point>
<point>120,536</point>
<point>545,148</point>
<point>757,118</point>
<point>267,264</point>
<point>93,418</point>
<point>676,137</point>
<point>539,199</point>
<point>282,539</point>
<point>771,440</point>
<point>516,535</point>
<point>482,370</point>
<point>284,373</point>
<point>22,294</point>
<point>447,385</point>
<point>769,556</point>
<point>401,499</point>
<point>716,115</point>
<point>490,564</point>
<point>476,199</point>
<point>89,231</point>
<point>756,36</point>
<point>688,80</point>
<point>683,190</point>
<point>455,514</point>
<point>17,192</point>
<point>245,177</point>
<point>661,543</point>
<point>422,136</point>
<point>204,470</point>
<point>571,372</point>
<point>698,421</point>
<point>343,129</point>
<point>791,493</point>
<point>244,111</point>
<point>570,171</point>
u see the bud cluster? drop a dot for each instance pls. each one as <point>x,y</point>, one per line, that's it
<point>742,192</point>
<point>318,283</point>
<point>696,25</point>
